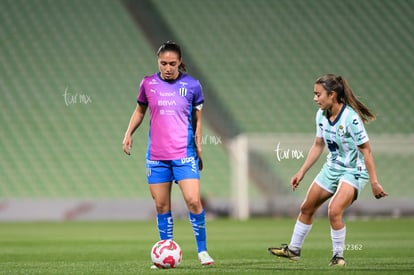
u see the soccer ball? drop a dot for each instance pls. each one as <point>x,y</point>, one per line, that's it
<point>166,254</point>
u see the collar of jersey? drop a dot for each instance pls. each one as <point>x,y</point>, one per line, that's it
<point>337,117</point>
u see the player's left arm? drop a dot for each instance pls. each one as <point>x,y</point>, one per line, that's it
<point>366,151</point>
<point>197,133</point>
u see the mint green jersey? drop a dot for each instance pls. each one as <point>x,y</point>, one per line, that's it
<point>342,138</point>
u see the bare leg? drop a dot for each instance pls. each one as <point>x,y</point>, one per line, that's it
<point>342,199</point>
<point>161,193</point>
<point>315,197</point>
<point>191,192</point>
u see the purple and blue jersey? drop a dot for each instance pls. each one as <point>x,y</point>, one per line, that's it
<point>171,135</point>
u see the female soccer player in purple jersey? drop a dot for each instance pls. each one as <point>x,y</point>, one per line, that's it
<point>175,101</point>
<point>349,165</point>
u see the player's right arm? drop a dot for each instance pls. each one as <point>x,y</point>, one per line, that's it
<point>134,122</point>
<point>313,155</point>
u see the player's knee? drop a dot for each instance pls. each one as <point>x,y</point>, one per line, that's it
<point>307,210</point>
<point>334,214</point>
<point>162,207</point>
<point>194,205</point>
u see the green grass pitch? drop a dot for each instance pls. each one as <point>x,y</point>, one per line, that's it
<point>373,246</point>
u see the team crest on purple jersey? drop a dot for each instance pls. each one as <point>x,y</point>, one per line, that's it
<point>183,91</point>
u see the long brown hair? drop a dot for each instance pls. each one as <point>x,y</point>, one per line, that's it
<point>344,94</point>
<point>173,47</point>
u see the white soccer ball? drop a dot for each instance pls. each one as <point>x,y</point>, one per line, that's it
<point>166,254</point>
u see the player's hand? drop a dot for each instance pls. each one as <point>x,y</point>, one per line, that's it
<point>378,191</point>
<point>127,144</point>
<point>200,160</point>
<point>200,163</point>
<point>296,179</point>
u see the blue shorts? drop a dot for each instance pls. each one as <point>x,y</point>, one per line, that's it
<point>159,171</point>
<point>329,178</point>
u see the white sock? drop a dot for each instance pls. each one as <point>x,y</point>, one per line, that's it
<point>338,241</point>
<point>300,232</point>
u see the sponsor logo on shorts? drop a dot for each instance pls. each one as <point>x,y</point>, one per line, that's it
<point>192,161</point>
<point>187,160</point>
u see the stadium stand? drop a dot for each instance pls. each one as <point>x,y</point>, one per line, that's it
<point>70,73</point>
<point>263,57</point>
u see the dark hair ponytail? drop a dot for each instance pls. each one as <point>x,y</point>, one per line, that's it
<point>344,94</point>
<point>173,47</point>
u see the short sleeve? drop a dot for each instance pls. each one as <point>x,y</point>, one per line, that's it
<point>142,97</point>
<point>357,130</point>
<point>319,125</point>
<point>198,94</point>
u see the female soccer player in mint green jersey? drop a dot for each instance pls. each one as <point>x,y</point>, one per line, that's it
<point>175,100</point>
<point>349,165</point>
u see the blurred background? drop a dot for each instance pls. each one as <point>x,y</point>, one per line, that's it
<point>69,77</point>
